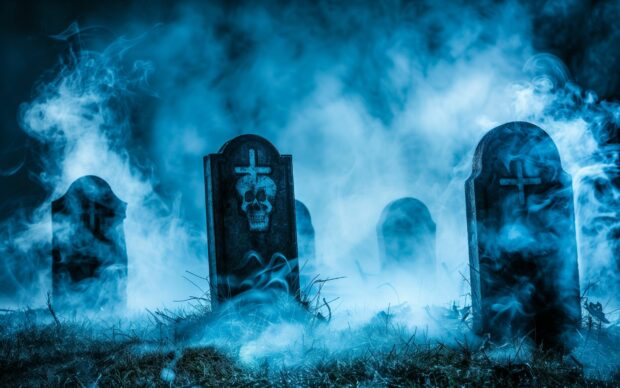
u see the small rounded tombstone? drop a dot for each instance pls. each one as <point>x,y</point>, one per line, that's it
<point>406,235</point>
<point>522,244</point>
<point>89,257</point>
<point>306,245</point>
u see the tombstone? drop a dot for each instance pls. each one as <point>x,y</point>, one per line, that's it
<point>89,258</point>
<point>305,244</point>
<point>250,221</point>
<point>406,235</point>
<point>599,226</point>
<point>522,245</point>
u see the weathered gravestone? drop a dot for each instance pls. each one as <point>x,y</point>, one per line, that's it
<point>251,220</point>
<point>305,243</point>
<point>406,234</point>
<point>522,247</point>
<point>599,220</point>
<point>89,258</point>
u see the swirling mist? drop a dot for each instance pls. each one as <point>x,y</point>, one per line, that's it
<point>374,101</point>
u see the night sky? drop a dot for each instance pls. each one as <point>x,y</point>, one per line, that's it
<point>199,74</point>
<point>583,34</point>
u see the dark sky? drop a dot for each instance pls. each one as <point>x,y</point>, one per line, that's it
<point>583,34</point>
<point>28,53</point>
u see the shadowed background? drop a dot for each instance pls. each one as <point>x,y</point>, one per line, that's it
<point>375,101</point>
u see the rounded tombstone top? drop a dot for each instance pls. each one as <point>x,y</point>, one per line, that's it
<point>243,140</point>
<point>304,220</point>
<point>513,141</point>
<point>402,211</point>
<point>91,188</point>
<point>302,209</point>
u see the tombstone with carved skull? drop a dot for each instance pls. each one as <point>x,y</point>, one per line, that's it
<point>257,193</point>
<point>251,220</point>
<point>522,244</point>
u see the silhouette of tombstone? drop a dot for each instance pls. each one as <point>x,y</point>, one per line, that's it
<point>89,258</point>
<point>305,243</point>
<point>406,234</point>
<point>251,221</point>
<point>522,245</point>
<point>599,204</point>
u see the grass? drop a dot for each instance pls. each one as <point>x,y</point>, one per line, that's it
<point>35,350</point>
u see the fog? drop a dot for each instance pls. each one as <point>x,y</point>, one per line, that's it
<point>374,102</point>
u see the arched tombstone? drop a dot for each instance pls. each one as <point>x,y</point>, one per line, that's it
<point>406,235</point>
<point>250,221</point>
<point>305,244</point>
<point>89,257</point>
<point>522,245</point>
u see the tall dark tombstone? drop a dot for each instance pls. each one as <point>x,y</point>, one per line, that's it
<point>522,245</point>
<point>89,257</point>
<point>599,204</point>
<point>305,243</point>
<point>251,220</point>
<point>406,235</point>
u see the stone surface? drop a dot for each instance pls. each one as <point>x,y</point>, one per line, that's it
<point>89,266</point>
<point>251,220</point>
<point>599,221</point>
<point>522,245</point>
<point>406,235</point>
<point>305,244</point>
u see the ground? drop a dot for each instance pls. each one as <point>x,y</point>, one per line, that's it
<point>36,350</point>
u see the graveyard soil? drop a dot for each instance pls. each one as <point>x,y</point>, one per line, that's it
<point>34,353</point>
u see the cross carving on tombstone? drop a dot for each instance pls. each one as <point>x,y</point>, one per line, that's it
<point>525,286</point>
<point>253,170</point>
<point>520,181</point>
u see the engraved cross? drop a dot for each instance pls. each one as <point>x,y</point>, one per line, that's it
<point>520,181</point>
<point>253,170</point>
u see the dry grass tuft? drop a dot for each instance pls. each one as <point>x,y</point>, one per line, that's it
<point>35,351</point>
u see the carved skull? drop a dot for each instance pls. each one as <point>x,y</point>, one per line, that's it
<point>257,195</point>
